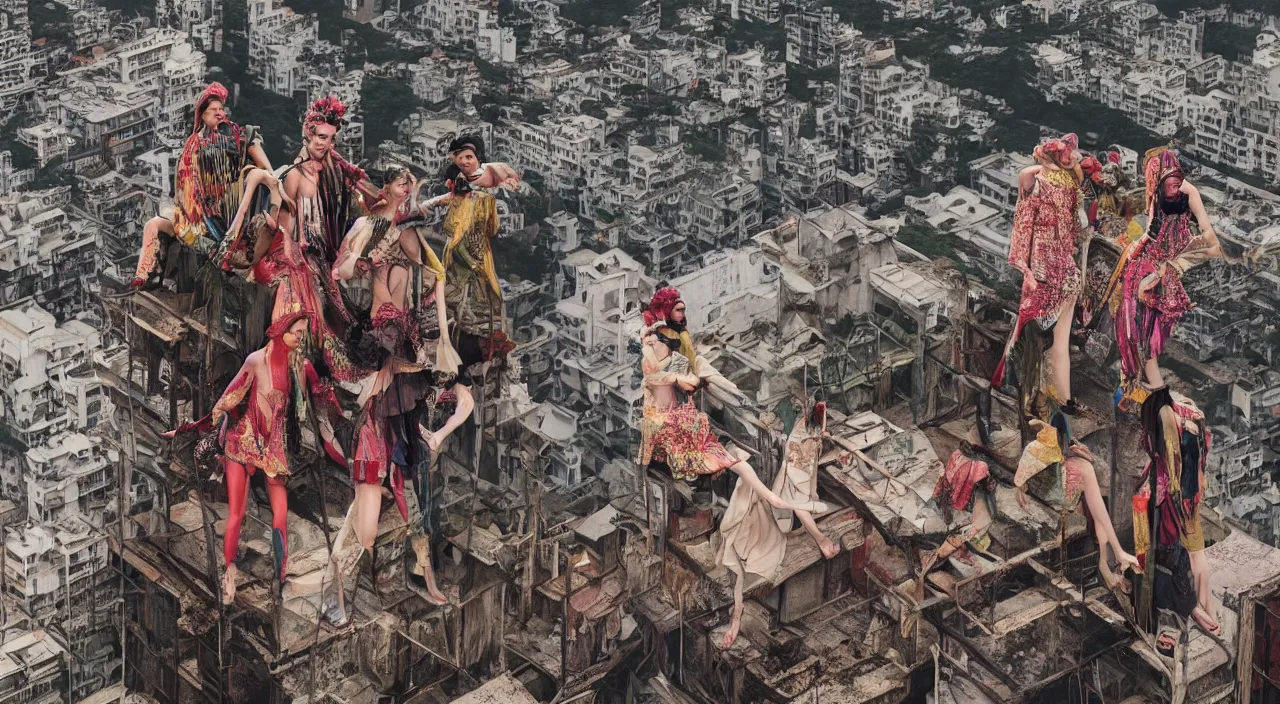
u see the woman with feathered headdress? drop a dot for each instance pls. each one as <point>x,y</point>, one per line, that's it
<point>672,430</point>
<point>1146,296</point>
<point>1042,247</point>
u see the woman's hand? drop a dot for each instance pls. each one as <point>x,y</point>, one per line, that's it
<point>1029,283</point>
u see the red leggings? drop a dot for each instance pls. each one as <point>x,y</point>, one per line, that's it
<point>238,495</point>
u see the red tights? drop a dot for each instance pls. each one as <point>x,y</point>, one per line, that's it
<point>238,495</point>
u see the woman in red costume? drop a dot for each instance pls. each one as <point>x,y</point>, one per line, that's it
<point>258,424</point>
<point>406,339</point>
<point>207,188</point>
<point>1146,293</point>
<point>1042,247</point>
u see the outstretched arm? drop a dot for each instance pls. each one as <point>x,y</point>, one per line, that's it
<point>1204,247</point>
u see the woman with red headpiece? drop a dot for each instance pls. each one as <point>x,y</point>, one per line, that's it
<point>672,430</point>
<point>1146,293</point>
<point>207,187</point>
<point>1042,247</point>
<point>258,424</point>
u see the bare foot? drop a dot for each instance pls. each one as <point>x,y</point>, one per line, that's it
<point>1113,581</point>
<point>435,596</point>
<point>732,634</point>
<point>1205,621</point>
<point>229,585</point>
<point>828,548</point>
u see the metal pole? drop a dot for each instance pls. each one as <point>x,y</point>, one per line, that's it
<point>564,626</point>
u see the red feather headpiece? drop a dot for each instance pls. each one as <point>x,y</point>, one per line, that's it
<point>328,110</point>
<point>664,299</point>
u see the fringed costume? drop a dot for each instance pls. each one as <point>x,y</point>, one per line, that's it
<point>1042,247</point>
<point>678,435</point>
<point>471,285</point>
<point>1179,457</point>
<point>208,184</point>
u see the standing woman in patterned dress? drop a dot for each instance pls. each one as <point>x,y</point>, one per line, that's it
<point>1146,292</point>
<point>1043,247</point>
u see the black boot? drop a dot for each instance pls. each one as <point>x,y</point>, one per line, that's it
<point>1069,408</point>
<point>984,418</point>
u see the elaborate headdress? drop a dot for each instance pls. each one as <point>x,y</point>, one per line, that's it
<point>328,110</point>
<point>281,326</point>
<point>215,91</point>
<point>660,306</point>
<point>1055,150</point>
<point>1162,163</point>
<point>1091,168</point>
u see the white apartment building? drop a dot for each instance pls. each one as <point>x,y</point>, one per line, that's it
<point>33,669</point>
<point>277,38</point>
<point>473,23</point>
<point>995,177</point>
<point>753,80</point>
<point>816,38</point>
<point>73,475</point>
<point>732,291</point>
<point>44,367</point>
<point>720,210</point>
<point>48,140</point>
<point>762,10</point>
<point>51,567</point>
<point>437,79</point>
<point>656,168</point>
<point>16,59</point>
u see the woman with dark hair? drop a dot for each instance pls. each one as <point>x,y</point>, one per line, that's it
<point>472,289</point>
<point>1042,247</point>
<point>1146,294</point>
<point>258,425</point>
<point>1177,441</point>
<point>1070,480</point>
<point>798,480</point>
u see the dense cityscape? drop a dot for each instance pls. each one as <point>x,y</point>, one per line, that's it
<point>757,351</point>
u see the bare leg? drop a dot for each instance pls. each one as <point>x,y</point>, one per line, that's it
<point>735,620</point>
<point>149,258</point>
<point>748,475</point>
<point>1152,368</point>
<point>1060,352</point>
<point>1200,574</point>
<point>422,550</point>
<point>1106,533</point>
<point>368,511</point>
<point>828,548</point>
<point>336,572</point>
